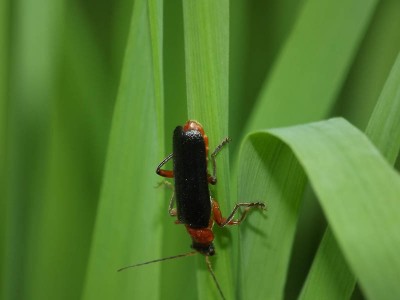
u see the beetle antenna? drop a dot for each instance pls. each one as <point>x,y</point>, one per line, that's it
<point>158,260</point>
<point>215,278</point>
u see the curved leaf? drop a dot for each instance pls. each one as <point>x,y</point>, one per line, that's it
<point>322,280</point>
<point>358,192</point>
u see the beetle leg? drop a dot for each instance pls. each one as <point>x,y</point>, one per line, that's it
<point>221,221</point>
<point>166,183</point>
<point>213,179</point>
<point>171,209</point>
<point>165,173</point>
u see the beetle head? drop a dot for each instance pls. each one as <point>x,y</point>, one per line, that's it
<point>205,249</point>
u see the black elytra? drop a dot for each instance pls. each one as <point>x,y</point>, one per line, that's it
<point>190,174</point>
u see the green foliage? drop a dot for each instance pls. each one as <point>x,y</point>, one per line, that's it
<point>353,205</point>
<point>384,121</point>
<point>90,93</point>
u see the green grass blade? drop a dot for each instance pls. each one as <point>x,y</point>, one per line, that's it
<point>322,280</point>
<point>358,192</point>
<point>259,31</point>
<point>175,237</point>
<point>366,203</point>
<point>359,93</point>
<point>313,64</point>
<point>269,172</point>
<point>310,70</point>
<point>32,77</point>
<point>384,126</point>
<point>4,52</point>
<point>206,31</point>
<point>74,171</point>
<point>206,49</point>
<point>127,230</point>
<point>329,276</point>
<point>174,68</point>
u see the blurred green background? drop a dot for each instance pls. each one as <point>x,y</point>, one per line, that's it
<point>60,66</point>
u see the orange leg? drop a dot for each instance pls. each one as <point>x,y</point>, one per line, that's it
<point>221,221</point>
<point>165,173</point>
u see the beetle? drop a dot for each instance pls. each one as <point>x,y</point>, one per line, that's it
<point>195,208</point>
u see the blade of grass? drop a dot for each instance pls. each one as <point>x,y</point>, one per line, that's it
<point>360,92</point>
<point>120,20</point>
<point>269,172</point>
<point>4,51</point>
<point>175,238</point>
<point>309,73</point>
<point>206,32</point>
<point>384,126</point>
<point>258,29</point>
<point>174,66</point>
<point>86,77</point>
<point>80,128</point>
<point>370,211</point>
<point>339,284</point>
<point>127,230</point>
<point>358,192</point>
<point>356,102</point>
<point>330,275</point>
<point>312,65</point>
<point>33,62</point>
